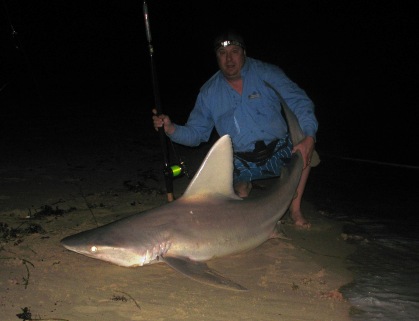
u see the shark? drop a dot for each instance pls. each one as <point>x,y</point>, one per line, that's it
<point>208,221</point>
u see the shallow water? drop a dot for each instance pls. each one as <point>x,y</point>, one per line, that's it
<point>386,279</point>
<point>379,204</point>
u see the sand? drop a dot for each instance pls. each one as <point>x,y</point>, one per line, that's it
<point>52,189</point>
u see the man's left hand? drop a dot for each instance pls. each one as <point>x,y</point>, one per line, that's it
<point>306,148</point>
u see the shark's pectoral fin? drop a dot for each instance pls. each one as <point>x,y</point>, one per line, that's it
<point>200,272</point>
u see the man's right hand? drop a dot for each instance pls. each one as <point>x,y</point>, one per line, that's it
<point>163,121</point>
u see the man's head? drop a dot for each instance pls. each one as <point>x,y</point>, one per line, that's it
<point>231,53</point>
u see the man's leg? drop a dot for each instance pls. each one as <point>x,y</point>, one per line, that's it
<point>295,208</point>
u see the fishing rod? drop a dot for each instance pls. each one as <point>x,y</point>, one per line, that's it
<point>169,171</point>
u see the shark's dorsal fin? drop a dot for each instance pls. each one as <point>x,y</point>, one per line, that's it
<point>215,176</point>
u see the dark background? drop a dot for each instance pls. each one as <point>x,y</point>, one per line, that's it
<point>89,59</point>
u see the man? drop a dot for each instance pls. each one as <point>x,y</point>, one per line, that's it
<point>239,100</point>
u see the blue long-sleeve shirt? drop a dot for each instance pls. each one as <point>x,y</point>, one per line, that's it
<point>252,116</point>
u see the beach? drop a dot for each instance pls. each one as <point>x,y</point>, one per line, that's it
<point>77,151</point>
<point>63,178</point>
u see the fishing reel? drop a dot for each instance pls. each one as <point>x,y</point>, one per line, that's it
<point>176,171</point>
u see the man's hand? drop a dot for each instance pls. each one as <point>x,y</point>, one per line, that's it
<point>306,147</point>
<point>163,121</point>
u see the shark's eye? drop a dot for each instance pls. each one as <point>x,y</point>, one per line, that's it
<point>93,249</point>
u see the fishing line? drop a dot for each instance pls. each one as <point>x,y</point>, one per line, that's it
<point>360,160</point>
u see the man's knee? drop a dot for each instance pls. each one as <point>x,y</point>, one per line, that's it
<point>243,189</point>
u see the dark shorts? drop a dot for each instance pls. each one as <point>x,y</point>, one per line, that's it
<point>245,171</point>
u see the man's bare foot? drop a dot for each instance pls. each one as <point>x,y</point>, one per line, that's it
<point>242,189</point>
<point>299,220</point>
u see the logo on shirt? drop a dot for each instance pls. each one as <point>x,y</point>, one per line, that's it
<point>254,95</point>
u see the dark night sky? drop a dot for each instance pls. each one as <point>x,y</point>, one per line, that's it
<point>355,59</point>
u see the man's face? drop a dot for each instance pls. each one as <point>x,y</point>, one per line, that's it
<point>230,60</point>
